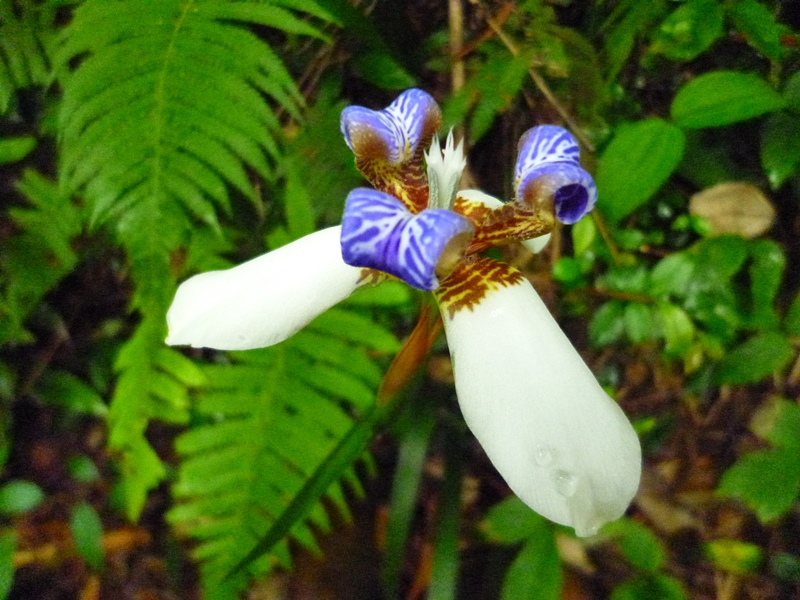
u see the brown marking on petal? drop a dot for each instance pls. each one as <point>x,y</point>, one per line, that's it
<point>406,180</point>
<point>513,222</point>
<point>471,281</point>
<point>372,277</point>
<point>476,212</point>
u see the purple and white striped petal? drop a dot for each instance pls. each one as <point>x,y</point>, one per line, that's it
<point>379,232</point>
<point>393,134</point>
<point>548,167</point>
<point>265,300</point>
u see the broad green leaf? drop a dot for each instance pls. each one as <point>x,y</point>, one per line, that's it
<point>757,23</point>
<point>19,496</point>
<point>766,274</point>
<point>639,159</point>
<point>8,544</point>
<point>780,147</point>
<point>14,149</point>
<point>640,322</point>
<point>763,354</point>
<point>641,547</point>
<point>723,97</point>
<point>87,531</point>
<point>607,324</point>
<point>677,327</point>
<point>689,30</point>
<point>723,255</point>
<point>792,320</point>
<point>672,275</point>
<point>511,521</point>
<point>535,573</point>
<point>791,93</point>
<point>584,233</point>
<point>733,555</point>
<point>650,587</point>
<point>768,481</point>
<point>567,270</point>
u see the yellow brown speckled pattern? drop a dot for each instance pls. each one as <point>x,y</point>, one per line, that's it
<point>471,281</point>
<point>512,222</point>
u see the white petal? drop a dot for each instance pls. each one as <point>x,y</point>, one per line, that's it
<point>444,171</point>
<point>537,244</point>
<point>265,300</point>
<point>564,447</point>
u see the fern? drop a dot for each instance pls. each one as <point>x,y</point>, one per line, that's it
<point>170,104</point>
<point>158,118</point>
<point>34,261</point>
<point>272,418</point>
<point>25,34</point>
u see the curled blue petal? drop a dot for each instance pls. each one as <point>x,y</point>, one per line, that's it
<point>379,232</point>
<point>548,166</point>
<point>572,189</point>
<point>545,144</point>
<point>393,134</point>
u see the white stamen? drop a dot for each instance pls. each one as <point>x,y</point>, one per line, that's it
<point>444,171</point>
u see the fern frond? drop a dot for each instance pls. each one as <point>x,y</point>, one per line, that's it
<point>273,417</point>
<point>25,32</point>
<point>35,260</point>
<point>169,101</point>
<point>153,383</point>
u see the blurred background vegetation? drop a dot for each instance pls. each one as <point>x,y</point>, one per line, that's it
<point>142,141</point>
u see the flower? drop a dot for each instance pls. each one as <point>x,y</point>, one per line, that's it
<point>563,446</point>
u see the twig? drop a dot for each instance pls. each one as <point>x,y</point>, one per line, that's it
<point>455,15</point>
<point>603,229</point>
<point>541,84</point>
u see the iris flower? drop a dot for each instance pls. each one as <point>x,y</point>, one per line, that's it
<point>562,445</point>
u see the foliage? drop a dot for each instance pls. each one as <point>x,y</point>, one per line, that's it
<point>142,142</point>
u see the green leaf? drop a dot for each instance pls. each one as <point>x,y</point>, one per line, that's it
<point>87,531</point>
<point>780,140</point>
<point>8,544</point>
<point>639,159</point>
<point>82,468</point>
<point>766,274</point>
<point>19,496</point>
<point>413,448</point>
<point>677,327</point>
<point>672,275</point>
<point>382,70</point>
<point>733,555</point>
<point>63,389</point>
<point>792,320</point>
<point>758,24</point>
<point>723,97</point>
<point>584,233</point>
<point>650,587</point>
<point>785,566</point>
<point>640,546</point>
<point>640,322</point>
<point>15,149</point>
<point>762,355</point>
<point>689,30</point>
<point>511,521</point>
<point>608,324</point>
<point>535,573</point>
<point>636,20</point>
<point>768,481</point>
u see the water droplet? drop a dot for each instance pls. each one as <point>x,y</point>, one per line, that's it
<point>543,456</point>
<point>566,483</point>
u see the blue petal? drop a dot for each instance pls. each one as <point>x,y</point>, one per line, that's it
<point>573,189</point>
<point>552,153</point>
<point>545,144</point>
<point>379,232</point>
<point>400,127</point>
